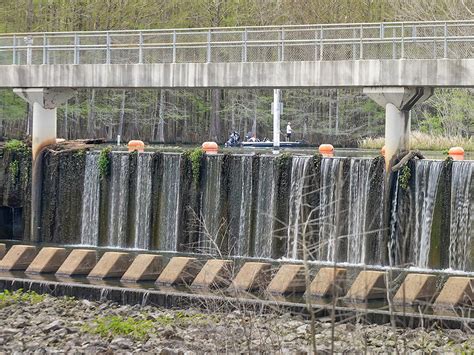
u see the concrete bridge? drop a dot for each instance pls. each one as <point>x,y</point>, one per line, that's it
<point>397,64</point>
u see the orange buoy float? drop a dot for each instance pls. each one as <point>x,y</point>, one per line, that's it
<point>137,145</point>
<point>382,151</point>
<point>327,150</point>
<point>457,153</point>
<point>210,147</point>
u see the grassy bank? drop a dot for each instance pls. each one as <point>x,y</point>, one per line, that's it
<point>423,141</point>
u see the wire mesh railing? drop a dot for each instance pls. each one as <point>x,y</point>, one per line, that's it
<point>397,40</point>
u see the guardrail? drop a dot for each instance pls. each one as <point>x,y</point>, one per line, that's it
<point>397,40</point>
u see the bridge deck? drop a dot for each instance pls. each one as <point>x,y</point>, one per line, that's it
<point>339,55</point>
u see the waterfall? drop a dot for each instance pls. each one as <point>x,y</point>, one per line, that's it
<point>118,200</point>
<point>299,181</point>
<point>359,184</point>
<point>426,185</point>
<point>143,201</point>
<point>265,210</point>
<point>170,206</point>
<point>90,201</point>
<point>211,205</point>
<point>328,208</point>
<point>462,215</point>
<point>240,204</point>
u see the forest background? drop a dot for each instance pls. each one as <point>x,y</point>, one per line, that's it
<point>192,116</point>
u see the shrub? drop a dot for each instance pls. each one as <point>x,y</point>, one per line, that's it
<point>104,162</point>
<point>195,156</point>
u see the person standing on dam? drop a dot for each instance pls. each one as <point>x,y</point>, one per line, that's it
<point>289,131</point>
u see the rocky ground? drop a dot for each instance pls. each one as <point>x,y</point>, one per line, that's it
<point>40,324</point>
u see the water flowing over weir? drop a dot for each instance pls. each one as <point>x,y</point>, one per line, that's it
<point>91,201</point>
<point>357,211</point>
<point>297,218</point>
<point>265,206</point>
<point>426,185</point>
<point>143,201</point>
<point>329,208</point>
<point>118,200</point>
<point>462,216</point>
<point>170,206</point>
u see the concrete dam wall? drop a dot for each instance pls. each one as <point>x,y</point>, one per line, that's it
<point>261,206</point>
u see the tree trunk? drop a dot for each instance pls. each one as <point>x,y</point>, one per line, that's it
<point>122,116</point>
<point>161,121</point>
<point>215,115</point>
<point>91,115</point>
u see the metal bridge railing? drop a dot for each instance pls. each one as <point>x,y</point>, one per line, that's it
<point>397,40</point>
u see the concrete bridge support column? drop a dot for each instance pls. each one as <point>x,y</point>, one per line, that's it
<point>45,103</point>
<point>398,101</point>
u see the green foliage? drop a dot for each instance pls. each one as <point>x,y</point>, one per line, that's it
<point>13,170</point>
<point>79,153</point>
<point>283,159</point>
<point>111,326</point>
<point>8,298</point>
<point>17,146</point>
<point>195,156</point>
<point>404,177</point>
<point>104,162</point>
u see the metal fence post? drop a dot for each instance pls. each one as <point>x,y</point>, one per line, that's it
<point>14,50</point>
<point>209,46</point>
<point>361,44</point>
<point>394,43</point>
<point>76,49</point>
<point>244,48</point>
<point>445,55</point>
<point>402,50</point>
<point>282,42</point>
<point>107,56</point>
<point>45,49</point>
<point>174,46</point>
<point>29,51</point>
<point>321,37</point>
<point>140,49</point>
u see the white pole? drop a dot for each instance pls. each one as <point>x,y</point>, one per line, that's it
<point>276,121</point>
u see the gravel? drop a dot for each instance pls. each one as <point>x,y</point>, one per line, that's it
<point>66,325</point>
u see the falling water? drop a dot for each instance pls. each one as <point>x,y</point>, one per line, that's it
<point>90,201</point>
<point>170,205</point>
<point>426,185</point>
<point>265,211</point>
<point>357,212</point>
<point>211,205</point>
<point>240,204</point>
<point>328,208</point>
<point>118,200</point>
<point>462,216</point>
<point>143,201</point>
<point>299,180</point>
